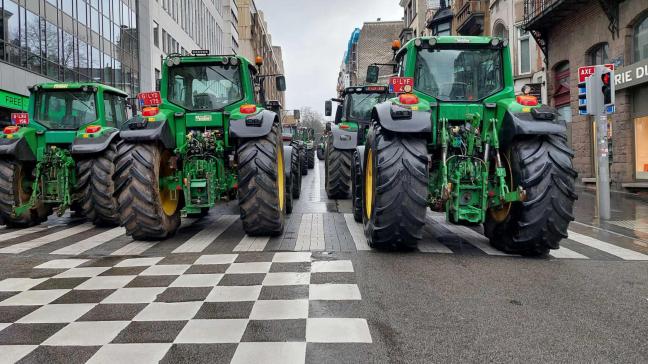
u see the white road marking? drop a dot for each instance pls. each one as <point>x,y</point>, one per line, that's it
<point>615,250</point>
<point>564,253</point>
<point>252,244</point>
<point>472,237</point>
<point>311,233</point>
<point>91,242</point>
<point>23,232</point>
<point>357,232</point>
<point>432,246</point>
<point>35,243</point>
<point>202,239</point>
<point>135,248</point>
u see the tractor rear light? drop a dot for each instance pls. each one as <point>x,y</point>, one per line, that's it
<point>408,99</point>
<point>150,111</point>
<point>527,100</point>
<point>248,109</point>
<point>11,129</point>
<point>92,129</point>
<point>344,126</point>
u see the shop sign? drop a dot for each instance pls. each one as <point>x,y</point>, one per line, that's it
<point>632,75</point>
<point>13,101</point>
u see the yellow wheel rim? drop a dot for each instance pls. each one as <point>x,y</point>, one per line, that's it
<point>281,176</point>
<point>168,198</point>
<point>368,184</point>
<point>500,214</point>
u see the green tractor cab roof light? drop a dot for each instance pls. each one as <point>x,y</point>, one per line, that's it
<point>173,61</point>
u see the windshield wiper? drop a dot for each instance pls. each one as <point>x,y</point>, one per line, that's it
<point>81,101</point>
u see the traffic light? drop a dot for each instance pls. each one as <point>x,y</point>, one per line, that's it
<point>607,87</point>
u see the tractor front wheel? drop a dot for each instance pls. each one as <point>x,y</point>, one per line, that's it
<point>320,153</point>
<point>15,190</point>
<point>310,157</point>
<point>356,186</point>
<point>95,188</point>
<point>304,160</point>
<point>542,166</point>
<point>337,172</point>
<point>395,189</point>
<point>147,209</point>
<point>295,173</point>
<point>261,184</point>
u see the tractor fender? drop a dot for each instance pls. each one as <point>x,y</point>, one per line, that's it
<point>287,157</point>
<point>343,139</point>
<point>402,120</point>
<point>17,148</point>
<point>93,145</point>
<point>253,126</point>
<point>153,131</point>
<point>361,151</point>
<point>542,121</point>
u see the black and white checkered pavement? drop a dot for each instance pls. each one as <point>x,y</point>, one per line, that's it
<point>240,308</point>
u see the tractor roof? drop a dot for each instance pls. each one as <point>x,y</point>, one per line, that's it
<point>211,58</point>
<point>80,85</point>
<point>368,89</point>
<point>460,41</point>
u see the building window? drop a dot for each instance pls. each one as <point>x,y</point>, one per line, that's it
<point>641,148</point>
<point>524,51</point>
<point>156,31</point>
<point>641,40</point>
<point>561,85</point>
<point>500,31</point>
<point>598,54</point>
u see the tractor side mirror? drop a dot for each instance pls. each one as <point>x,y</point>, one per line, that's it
<point>328,108</point>
<point>158,82</point>
<point>373,72</point>
<point>328,126</point>
<point>338,114</point>
<point>281,83</point>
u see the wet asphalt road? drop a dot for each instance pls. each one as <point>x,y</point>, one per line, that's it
<point>317,295</point>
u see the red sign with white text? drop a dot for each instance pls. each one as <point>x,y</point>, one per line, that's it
<point>399,85</point>
<point>585,72</point>
<point>150,98</point>
<point>20,118</point>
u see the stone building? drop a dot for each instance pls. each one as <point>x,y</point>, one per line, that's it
<point>416,14</point>
<point>471,17</point>
<point>576,33</point>
<point>255,41</point>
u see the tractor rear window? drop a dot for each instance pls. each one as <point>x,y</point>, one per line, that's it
<point>360,105</point>
<point>65,109</point>
<point>459,74</point>
<point>204,87</point>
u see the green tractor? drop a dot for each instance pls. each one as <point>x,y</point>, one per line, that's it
<point>321,146</point>
<point>203,139</point>
<point>307,136</point>
<point>352,122</point>
<point>297,139</point>
<point>60,155</point>
<point>298,158</point>
<point>458,140</point>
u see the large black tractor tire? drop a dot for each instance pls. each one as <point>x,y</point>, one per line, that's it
<point>395,189</point>
<point>310,156</point>
<point>304,160</point>
<point>356,186</point>
<point>320,153</point>
<point>295,172</point>
<point>289,195</point>
<point>542,166</point>
<point>14,191</point>
<point>337,180</point>
<point>146,212</point>
<point>261,184</point>
<point>95,188</point>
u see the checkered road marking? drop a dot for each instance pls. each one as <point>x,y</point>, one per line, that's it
<point>149,309</point>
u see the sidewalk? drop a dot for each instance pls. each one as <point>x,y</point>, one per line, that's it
<point>629,213</point>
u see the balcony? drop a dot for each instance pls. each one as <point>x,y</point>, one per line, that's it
<point>470,17</point>
<point>544,14</point>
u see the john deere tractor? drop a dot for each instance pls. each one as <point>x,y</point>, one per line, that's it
<point>60,155</point>
<point>352,121</point>
<point>307,135</point>
<point>207,141</point>
<point>461,142</point>
<point>321,146</point>
<point>297,159</point>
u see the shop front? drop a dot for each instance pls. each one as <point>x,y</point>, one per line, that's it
<point>635,78</point>
<point>11,103</point>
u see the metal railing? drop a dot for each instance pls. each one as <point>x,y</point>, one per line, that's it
<point>468,8</point>
<point>535,8</point>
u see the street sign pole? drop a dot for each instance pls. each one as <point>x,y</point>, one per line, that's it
<point>603,178</point>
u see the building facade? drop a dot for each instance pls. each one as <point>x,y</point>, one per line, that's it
<point>66,41</point>
<point>368,45</point>
<point>254,41</point>
<point>471,17</point>
<point>169,26</point>
<point>416,15</point>
<point>507,22</point>
<point>613,32</point>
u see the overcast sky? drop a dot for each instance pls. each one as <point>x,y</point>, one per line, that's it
<point>314,35</point>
